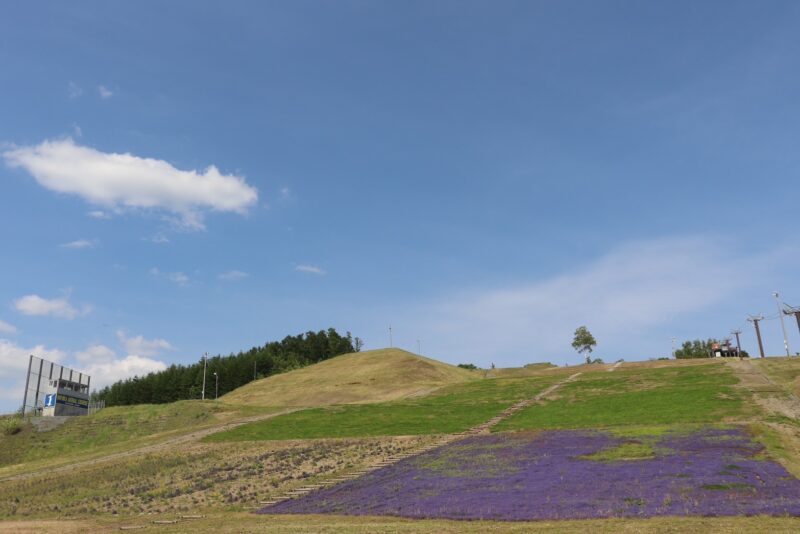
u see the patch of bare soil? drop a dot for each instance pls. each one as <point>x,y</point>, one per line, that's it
<point>770,396</point>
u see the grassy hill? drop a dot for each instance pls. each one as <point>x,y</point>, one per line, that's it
<point>216,461</point>
<point>361,377</point>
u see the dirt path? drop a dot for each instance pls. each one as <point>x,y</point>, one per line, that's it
<point>147,449</point>
<point>444,440</point>
<point>772,397</point>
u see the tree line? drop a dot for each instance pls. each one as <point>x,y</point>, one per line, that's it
<point>181,382</point>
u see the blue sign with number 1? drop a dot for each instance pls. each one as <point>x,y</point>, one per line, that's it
<point>49,400</point>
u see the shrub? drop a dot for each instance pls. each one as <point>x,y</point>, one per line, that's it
<point>11,425</point>
<point>471,366</point>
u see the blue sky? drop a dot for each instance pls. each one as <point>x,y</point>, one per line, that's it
<point>483,176</point>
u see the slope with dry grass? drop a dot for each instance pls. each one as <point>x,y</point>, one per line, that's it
<point>362,377</point>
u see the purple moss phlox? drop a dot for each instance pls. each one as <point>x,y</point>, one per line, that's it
<point>546,476</point>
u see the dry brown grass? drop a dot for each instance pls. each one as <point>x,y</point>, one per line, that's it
<point>195,478</point>
<point>363,377</point>
<point>244,522</point>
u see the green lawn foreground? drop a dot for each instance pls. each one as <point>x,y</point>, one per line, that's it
<point>699,394</point>
<point>451,409</point>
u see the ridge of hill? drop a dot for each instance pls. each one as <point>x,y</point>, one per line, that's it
<point>356,378</point>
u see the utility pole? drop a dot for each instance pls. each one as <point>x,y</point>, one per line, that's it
<point>755,321</point>
<point>205,361</point>
<point>791,310</point>
<point>419,348</point>
<point>783,326</point>
<point>738,344</point>
<point>673,348</point>
<point>216,387</point>
<point>391,342</point>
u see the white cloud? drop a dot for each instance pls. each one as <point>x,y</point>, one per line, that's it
<point>310,269</point>
<point>14,359</point>
<point>98,214</point>
<point>59,307</point>
<point>95,354</point>
<point>74,90</point>
<point>159,239</point>
<point>285,192</point>
<point>104,91</point>
<point>6,328</point>
<point>621,297</point>
<point>141,346</point>
<point>77,130</point>
<point>105,373</point>
<point>118,181</point>
<point>78,244</point>
<point>176,277</point>
<point>233,275</point>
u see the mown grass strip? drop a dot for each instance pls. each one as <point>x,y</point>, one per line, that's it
<point>453,409</point>
<point>678,395</point>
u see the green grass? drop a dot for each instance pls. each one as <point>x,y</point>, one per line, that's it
<point>452,409</point>
<point>624,451</point>
<point>121,426</point>
<point>666,396</point>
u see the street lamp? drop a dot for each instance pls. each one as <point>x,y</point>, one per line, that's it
<point>216,385</point>
<point>783,326</point>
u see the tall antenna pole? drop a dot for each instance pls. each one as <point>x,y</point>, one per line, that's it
<point>783,326</point>
<point>391,342</point>
<point>205,360</point>
<point>738,344</point>
<point>755,321</point>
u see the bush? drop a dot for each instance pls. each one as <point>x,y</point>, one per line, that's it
<point>11,425</point>
<point>470,366</point>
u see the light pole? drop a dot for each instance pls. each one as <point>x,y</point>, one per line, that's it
<point>673,348</point>
<point>216,386</point>
<point>783,326</point>
<point>205,361</point>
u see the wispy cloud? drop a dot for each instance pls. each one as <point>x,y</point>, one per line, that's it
<point>233,275</point>
<point>14,358</point>
<point>118,181</point>
<point>98,214</point>
<point>6,328</point>
<point>159,238</point>
<point>74,90</point>
<point>620,296</point>
<point>58,307</point>
<point>285,192</point>
<point>143,347</point>
<point>176,277</point>
<point>311,269</point>
<point>104,92</point>
<point>105,367</point>
<point>79,243</point>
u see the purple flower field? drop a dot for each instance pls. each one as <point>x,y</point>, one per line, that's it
<point>527,476</point>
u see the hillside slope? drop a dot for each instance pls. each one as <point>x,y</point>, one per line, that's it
<point>362,377</point>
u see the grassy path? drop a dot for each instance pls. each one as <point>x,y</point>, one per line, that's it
<point>163,445</point>
<point>444,440</point>
<point>780,407</point>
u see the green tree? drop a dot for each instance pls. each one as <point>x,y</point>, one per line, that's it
<point>584,342</point>
<point>695,349</point>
